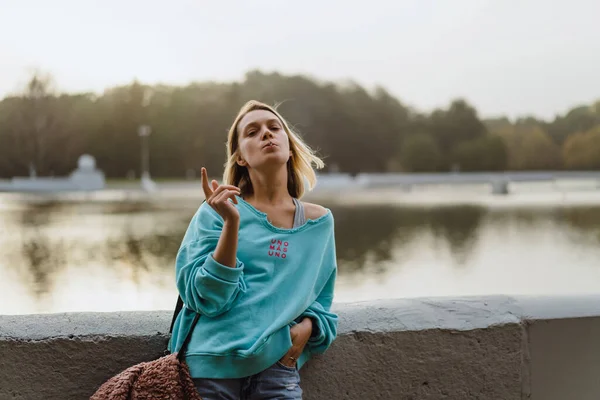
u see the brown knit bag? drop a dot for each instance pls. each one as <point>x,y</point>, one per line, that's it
<point>167,378</point>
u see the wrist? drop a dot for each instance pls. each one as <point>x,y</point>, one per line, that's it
<point>231,222</point>
<point>307,321</point>
<point>314,327</point>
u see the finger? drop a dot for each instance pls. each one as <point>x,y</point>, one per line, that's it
<point>226,187</point>
<point>286,358</point>
<point>229,187</point>
<point>291,358</point>
<point>229,195</point>
<point>205,187</point>
<point>221,197</point>
<point>215,184</point>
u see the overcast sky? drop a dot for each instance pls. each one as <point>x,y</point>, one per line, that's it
<point>513,57</point>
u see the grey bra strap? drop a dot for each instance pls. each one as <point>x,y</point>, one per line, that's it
<point>299,217</point>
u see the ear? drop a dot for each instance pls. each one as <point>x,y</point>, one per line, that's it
<point>241,162</point>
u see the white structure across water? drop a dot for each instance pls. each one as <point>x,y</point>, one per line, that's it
<point>498,181</point>
<point>85,178</point>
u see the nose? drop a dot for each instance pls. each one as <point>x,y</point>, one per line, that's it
<point>267,134</point>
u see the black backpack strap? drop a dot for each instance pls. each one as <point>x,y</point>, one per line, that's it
<point>178,308</point>
<point>188,337</point>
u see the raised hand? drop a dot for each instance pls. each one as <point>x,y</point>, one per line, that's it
<point>221,198</point>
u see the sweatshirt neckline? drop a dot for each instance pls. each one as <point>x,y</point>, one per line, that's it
<point>265,221</point>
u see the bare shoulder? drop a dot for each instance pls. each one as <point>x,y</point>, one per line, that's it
<point>314,211</point>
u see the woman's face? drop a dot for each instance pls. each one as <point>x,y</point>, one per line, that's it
<point>262,140</point>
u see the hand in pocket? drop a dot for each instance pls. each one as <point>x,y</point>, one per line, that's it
<point>300,333</point>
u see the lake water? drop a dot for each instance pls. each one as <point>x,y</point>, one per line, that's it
<point>115,250</point>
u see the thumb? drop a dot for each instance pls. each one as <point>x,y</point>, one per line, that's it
<point>215,185</point>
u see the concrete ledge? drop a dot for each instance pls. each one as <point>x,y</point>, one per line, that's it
<point>495,347</point>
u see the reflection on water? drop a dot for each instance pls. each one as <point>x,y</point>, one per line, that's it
<point>367,236</point>
<point>118,255</point>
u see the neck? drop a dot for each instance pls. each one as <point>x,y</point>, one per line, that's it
<point>269,187</point>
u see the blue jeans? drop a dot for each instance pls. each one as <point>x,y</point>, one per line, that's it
<point>276,382</point>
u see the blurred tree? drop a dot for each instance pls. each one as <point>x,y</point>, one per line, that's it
<point>582,150</point>
<point>487,153</point>
<point>420,153</point>
<point>530,148</point>
<point>34,125</point>
<point>453,126</point>
<point>579,119</point>
<point>354,129</point>
<point>496,124</point>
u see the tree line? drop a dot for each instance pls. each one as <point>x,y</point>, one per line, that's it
<point>354,129</point>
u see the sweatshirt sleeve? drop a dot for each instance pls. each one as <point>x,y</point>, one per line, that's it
<point>325,322</point>
<point>205,285</point>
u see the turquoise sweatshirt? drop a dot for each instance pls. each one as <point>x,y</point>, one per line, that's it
<point>281,276</point>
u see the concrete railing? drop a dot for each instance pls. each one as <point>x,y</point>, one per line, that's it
<point>499,348</point>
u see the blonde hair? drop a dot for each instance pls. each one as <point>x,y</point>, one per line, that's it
<point>301,175</point>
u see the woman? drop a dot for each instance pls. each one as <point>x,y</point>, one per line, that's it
<point>258,265</point>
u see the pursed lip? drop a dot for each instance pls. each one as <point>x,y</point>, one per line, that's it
<point>269,143</point>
